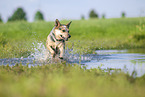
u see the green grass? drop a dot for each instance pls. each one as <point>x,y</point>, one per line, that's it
<point>61,80</point>
<point>16,38</point>
<point>70,80</point>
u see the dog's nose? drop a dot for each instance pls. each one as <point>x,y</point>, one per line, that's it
<point>69,36</point>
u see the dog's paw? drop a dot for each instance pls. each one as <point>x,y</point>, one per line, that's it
<point>61,58</point>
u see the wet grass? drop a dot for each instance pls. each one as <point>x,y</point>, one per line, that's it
<point>71,80</point>
<point>16,38</point>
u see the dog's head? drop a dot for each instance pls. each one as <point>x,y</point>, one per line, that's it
<point>62,31</point>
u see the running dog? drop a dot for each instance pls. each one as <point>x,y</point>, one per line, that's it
<point>56,39</point>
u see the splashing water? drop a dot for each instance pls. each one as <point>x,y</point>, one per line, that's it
<point>71,57</point>
<point>42,55</point>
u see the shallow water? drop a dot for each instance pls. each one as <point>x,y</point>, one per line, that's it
<point>126,60</point>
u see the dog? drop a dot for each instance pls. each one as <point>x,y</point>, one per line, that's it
<point>56,39</point>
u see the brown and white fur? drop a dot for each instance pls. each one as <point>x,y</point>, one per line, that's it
<point>56,39</point>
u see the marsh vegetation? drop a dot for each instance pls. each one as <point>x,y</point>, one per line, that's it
<point>67,80</point>
<point>17,40</point>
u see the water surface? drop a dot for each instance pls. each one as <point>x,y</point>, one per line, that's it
<point>126,60</point>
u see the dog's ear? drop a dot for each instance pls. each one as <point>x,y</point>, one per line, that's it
<point>57,23</point>
<point>68,24</point>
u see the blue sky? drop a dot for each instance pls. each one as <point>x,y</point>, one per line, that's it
<point>73,9</point>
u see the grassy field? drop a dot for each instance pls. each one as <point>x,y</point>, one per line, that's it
<point>61,80</point>
<point>17,40</point>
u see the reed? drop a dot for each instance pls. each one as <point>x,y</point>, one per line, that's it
<point>71,80</point>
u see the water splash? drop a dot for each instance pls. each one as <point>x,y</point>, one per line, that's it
<point>41,54</point>
<point>72,57</point>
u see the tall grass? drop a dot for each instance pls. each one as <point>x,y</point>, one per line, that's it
<point>61,80</point>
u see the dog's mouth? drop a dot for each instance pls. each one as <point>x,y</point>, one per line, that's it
<point>62,37</point>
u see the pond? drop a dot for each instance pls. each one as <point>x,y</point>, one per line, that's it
<point>126,60</point>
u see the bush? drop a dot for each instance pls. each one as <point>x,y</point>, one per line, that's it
<point>103,16</point>
<point>93,14</point>
<point>19,14</point>
<point>123,14</point>
<point>38,16</point>
<point>82,17</point>
<point>1,19</point>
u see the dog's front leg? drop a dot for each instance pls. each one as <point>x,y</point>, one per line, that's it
<point>62,49</point>
<point>52,51</point>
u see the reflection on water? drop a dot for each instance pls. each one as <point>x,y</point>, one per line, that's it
<point>119,59</point>
<point>126,60</point>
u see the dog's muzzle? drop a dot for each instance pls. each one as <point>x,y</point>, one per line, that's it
<point>69,36</point>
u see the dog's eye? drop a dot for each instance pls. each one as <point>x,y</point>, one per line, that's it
<point>63,30</point>
<point>59,28</point>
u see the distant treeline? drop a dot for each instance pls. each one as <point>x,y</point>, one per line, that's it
<point>20,14</point>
